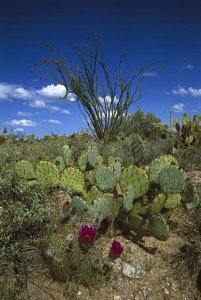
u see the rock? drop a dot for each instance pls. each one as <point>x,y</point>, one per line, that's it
<point>133,270</point>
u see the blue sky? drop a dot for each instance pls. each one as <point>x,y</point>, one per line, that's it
<point>166,31</point>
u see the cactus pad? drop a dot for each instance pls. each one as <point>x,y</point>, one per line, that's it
<point>158,228</point>
<point>172,180</point>
<point>25,170</point>
<point>158,164</point>
<point>106,178</point>
<point>173,201</point>
<point>136,177</point>
<point>47,174</point>
<point>72,180</point>
<point>157,205</point>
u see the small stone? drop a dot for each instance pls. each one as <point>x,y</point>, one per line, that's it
<point>79,293</point>
<point>128,271</point>
<point>117,297</point>
<point>166,292</point>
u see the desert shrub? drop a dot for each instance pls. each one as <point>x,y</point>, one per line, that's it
<point>140,123</point>
<point>189,158</point>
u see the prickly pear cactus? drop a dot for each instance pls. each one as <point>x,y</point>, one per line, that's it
<point>137,149</point>
<point>99,160</point>
<point>105,208</point>
<point>82,162</point>
<point>24,169</point>
<point>190,196</point>
<point>72,180</point>
<point>158,228</point>
<point>172,180</point>
<point>67,155</point>
<point>140,209</point>
<point>128,199</point>
<point>92,154</point>
<point>158,164</point>
<point>47,174</point>
<point>173,201</point>
<point>157,204</point>
<point>106,178</point>
<point>137,223</point>
<point>137,178</point>
<point>93,194</point>
<point>79,206</point>
<point>60,163</point>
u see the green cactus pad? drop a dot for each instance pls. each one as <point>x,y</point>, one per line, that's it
<point>60,163</point>
<point>79,206</point>
<point>128,199</point>
<point>99,160</point>
<point>140,209</point>
<point>136,177</point>
<point>190,196</point>
<point>173,201</point>
<point>158,164</point>
<point>47,174</point>
<point>137,224</point>
<point>92,154</point>
<point>106,178</point>
<point>67,154</point>
<point>172,180</point>
<point>25,170</point>
<point>137,149</point>
<point>105,208</point>
<point>73,180</point>
<point>157,205</point>
<point>82,161</point>
<point>158,228</point>
<point>93,194</point>
<point>90,177</point>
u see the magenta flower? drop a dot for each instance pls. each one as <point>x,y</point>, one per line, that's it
<point>87,234</point>
<point>116,250</point>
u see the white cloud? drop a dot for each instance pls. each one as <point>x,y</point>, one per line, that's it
<point>23,122</point>
<point>180,92</point>
<point>150,74</point>
<point>64,111</point>
<point>6,90</point>
<point>71,97</point>
<point>37,104</point>
<point>178,107</point>
<point>52,91</point>
<point>188,67</point>
<point>55,122</point>
<point>21,93</point>
<point>194,92</point>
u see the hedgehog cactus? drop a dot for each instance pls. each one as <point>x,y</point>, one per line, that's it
<point>137,149</point>
<point>67,155</point>
<point>172,180</point>
<point>25,170</point>
<point>137,178</point>
<point>73,180</point>
<point>106,178</point>
<point>47,174</point>
<point>158,164</point>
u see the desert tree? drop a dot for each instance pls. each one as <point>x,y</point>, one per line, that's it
<point>103,99</point>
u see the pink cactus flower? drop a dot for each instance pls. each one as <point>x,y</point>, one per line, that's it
<point>87,234</point>
<point>116,250</point>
